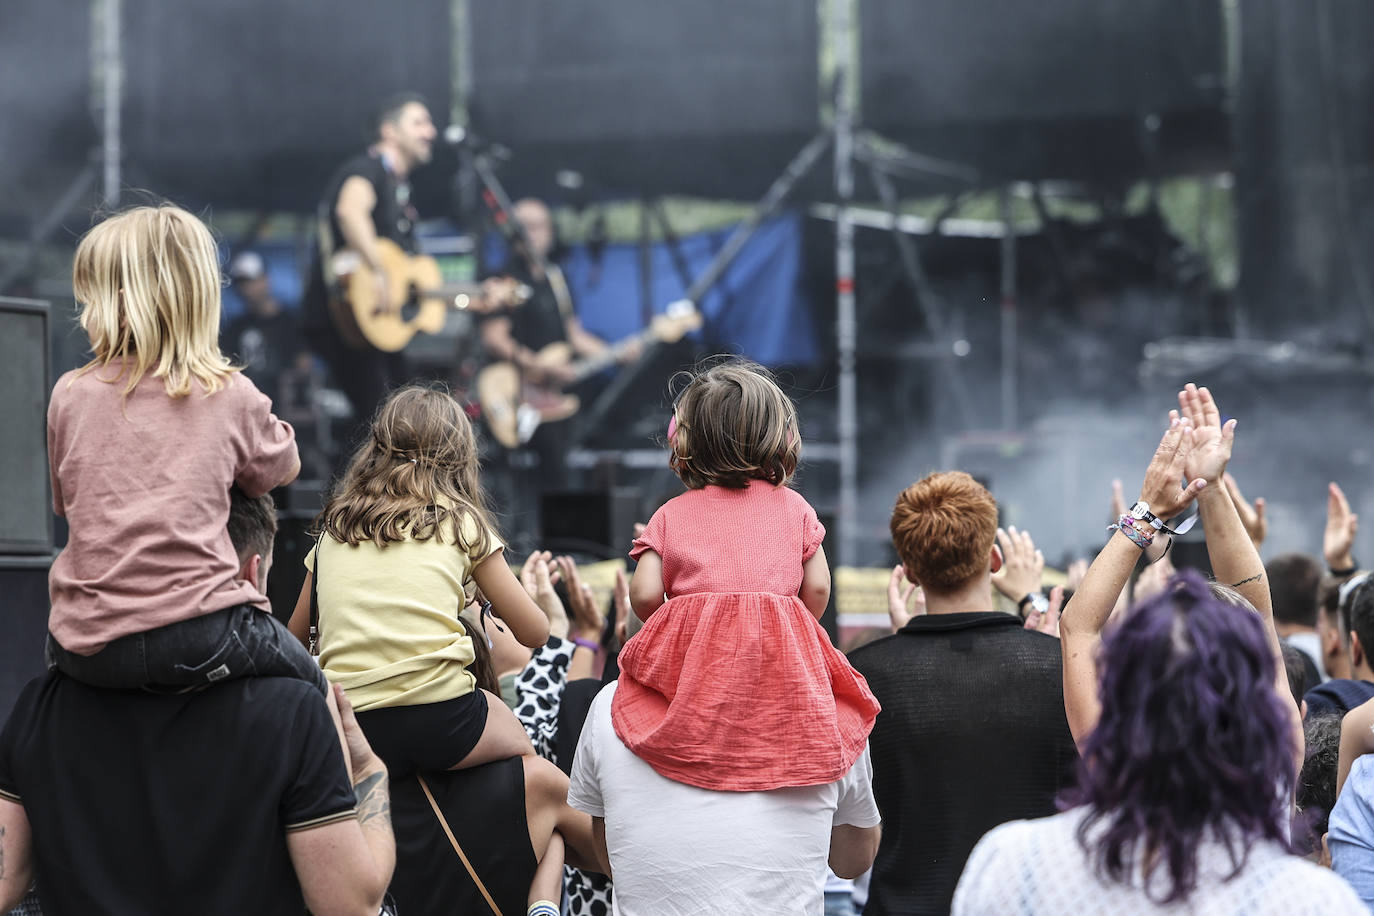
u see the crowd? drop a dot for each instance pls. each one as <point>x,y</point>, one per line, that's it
<point>434,731</point>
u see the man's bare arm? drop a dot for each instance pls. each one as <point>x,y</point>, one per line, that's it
<point>16,854</point>
<point>353,209</point>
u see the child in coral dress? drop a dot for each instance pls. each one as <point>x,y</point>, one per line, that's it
<point>732,684</point>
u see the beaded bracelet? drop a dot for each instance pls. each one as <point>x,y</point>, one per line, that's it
<point>1127,526</point>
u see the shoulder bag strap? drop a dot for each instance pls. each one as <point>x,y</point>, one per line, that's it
<point>314,645</point>
<point>472,873</point>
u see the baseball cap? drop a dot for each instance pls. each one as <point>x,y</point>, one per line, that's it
<point>247,265</point>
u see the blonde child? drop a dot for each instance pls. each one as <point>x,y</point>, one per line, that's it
<point>404,542</point>
<point>144,442</point>
<point>732,684</point>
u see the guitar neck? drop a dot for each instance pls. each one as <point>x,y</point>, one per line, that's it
<point>591,365</point>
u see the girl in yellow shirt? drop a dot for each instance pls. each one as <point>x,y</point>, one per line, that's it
<point>404,542</point>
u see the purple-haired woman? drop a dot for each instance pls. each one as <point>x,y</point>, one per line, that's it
<point>1183,797</point>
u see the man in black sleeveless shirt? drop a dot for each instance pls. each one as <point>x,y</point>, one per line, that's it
<point>369,199</point>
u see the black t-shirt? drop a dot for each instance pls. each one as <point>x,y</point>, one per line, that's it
<point>538,321</point>
<point>485,808</point>
<point>144,803</point>
<point>265,347</point>
<point>394,218</point>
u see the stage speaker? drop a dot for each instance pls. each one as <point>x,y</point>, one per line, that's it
<point>709,97</point>
<point>1058,89</point>
<point>24,583</point>
<point>596,522</point>
<point>25,378</point>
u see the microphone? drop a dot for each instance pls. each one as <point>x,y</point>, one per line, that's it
<point>457,135</point>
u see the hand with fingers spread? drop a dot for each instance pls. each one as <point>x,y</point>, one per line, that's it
<point>1048,622</point>
<point>1338,541</point>
<point>1022,564</point>
<point>1251,515</point>
<point>587,618</point>
<point>904,599</point>
<point>1209,441</point>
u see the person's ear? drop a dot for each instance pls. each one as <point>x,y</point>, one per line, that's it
<point>1356,650</point>
<point>1302,710</point>
<point>251,569</point>
<point>996,559</point>
<point>910,576</point>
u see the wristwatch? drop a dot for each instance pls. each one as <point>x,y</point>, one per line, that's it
<point>1036,600</point>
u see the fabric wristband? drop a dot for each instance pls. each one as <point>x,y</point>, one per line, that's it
<point>1342,573</point>
<point>585,643</point>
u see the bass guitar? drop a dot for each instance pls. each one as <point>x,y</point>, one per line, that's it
<point>514,406</point>
<point>416,298</point>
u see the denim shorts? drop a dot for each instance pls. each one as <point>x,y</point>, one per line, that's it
<point>190,654</point>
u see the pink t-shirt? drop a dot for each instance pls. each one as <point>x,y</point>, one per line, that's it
<point>144,484</point>
<point>722,540</point>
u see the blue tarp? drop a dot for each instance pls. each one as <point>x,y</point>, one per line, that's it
<point>758,309</point>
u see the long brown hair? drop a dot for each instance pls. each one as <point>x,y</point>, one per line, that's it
<point>734,424</point>
<point>412,477</point>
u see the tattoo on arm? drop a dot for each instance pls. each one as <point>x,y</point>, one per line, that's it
<point>374,801</point>
<point>1254,578</point>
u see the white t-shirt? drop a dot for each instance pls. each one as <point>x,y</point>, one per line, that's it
<point>1037,867</point>
<point>678,850</point>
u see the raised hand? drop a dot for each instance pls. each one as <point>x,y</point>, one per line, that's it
<point>1022,564</point>
<point>1048,622</point>
<point>620,595</point>
<point>1251,516</point>
<point>587,618</point>
<point>1210,441</point>
<point>1341,526</point>
<point>538,578</point>
<point>900,605</point>
<point>1161,486</point>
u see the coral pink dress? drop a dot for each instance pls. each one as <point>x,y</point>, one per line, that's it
<point>732,684</point>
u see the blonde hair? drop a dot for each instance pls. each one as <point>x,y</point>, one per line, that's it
<point>413,476</point>
<point>734,424</point>
<point>149,283</point>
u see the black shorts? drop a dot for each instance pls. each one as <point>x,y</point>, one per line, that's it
<point>430,737</point>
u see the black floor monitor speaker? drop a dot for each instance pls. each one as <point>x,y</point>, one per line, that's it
<point>595,522</point>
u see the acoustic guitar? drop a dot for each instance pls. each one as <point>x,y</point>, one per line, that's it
<point>417,299</point>
<point>514,407</point>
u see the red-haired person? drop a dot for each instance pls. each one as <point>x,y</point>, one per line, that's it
<point>973,731</point>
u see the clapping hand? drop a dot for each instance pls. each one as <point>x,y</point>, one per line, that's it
<point>1022,564</point>
<point>1161,488</point>
<point>1209,441</point>
<point>587,618</point>
<point>1341,525</point>
<point>538,577</point>
<point>905,599</point>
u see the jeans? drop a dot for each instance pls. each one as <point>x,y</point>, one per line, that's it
<point>236,642</point>
<point>839,903</point>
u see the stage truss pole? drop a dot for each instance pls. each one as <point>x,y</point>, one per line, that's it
<point>112,84</point>
<point>846,325</point>
<point>1009,316</point>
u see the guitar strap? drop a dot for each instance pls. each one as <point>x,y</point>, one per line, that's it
<point>559,284</point>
